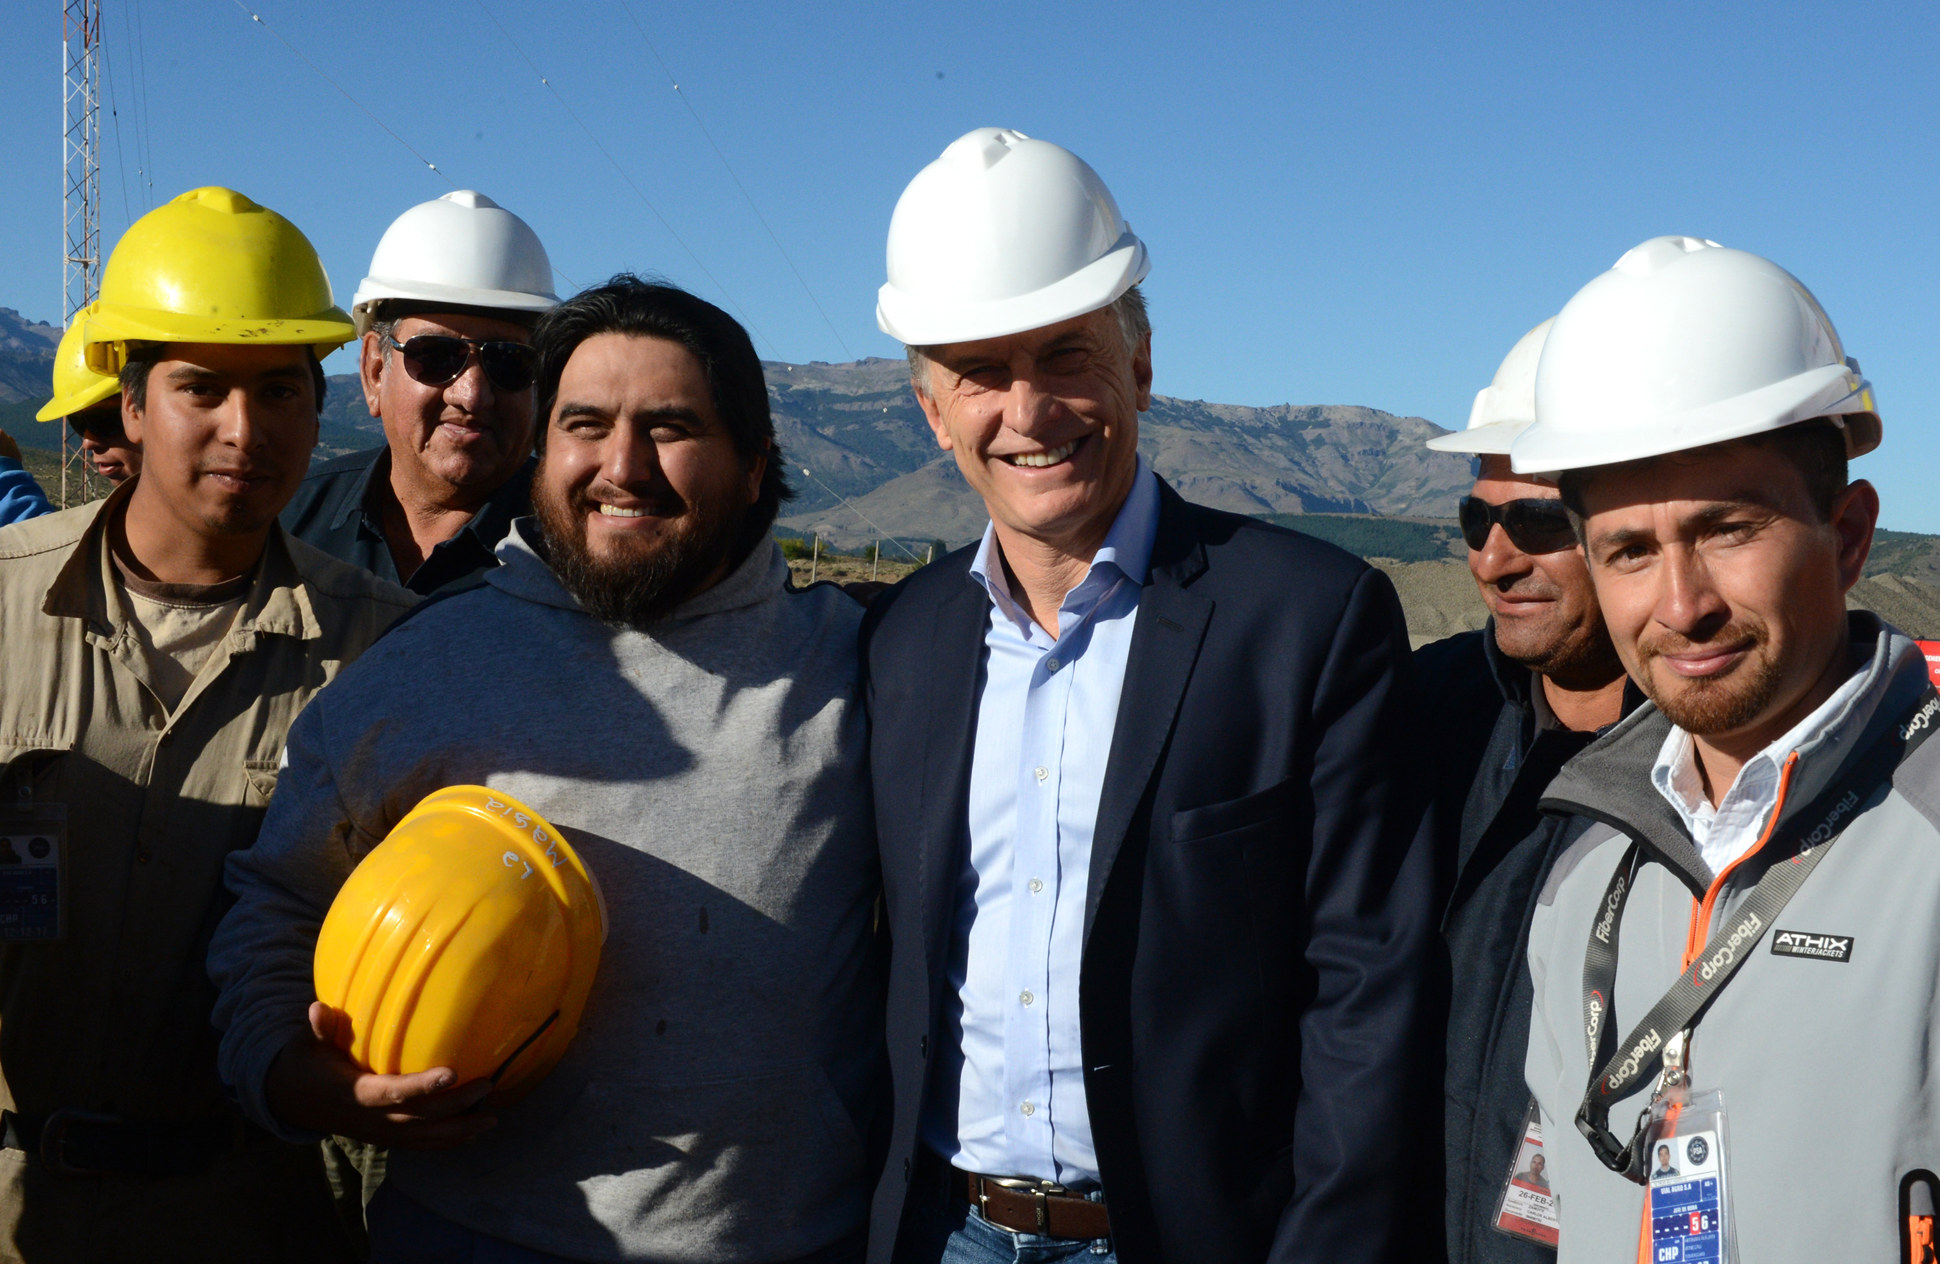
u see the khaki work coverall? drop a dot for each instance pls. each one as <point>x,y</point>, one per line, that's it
<point>114,1017</point>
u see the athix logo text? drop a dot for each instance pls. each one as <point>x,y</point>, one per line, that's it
<point>1648,1043</point>
<point>1750,927</point>
<point>1607,924</point>
<point>1798,943</point>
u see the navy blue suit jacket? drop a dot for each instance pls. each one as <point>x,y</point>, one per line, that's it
<point>1259,1078</point>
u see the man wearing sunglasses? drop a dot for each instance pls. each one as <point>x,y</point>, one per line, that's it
<point>1505,707</point>
<point>446,319</point>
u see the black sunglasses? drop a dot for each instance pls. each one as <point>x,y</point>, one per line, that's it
<point>438,359</point>
<point>1534,526</point>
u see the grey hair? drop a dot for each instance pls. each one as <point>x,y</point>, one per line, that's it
<point>1134,322</point>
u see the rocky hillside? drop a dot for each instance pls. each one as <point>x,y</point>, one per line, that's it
<point>858,429</point>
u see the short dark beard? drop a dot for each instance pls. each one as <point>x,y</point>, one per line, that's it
<point>1707,708</point>
<point>639,591</point>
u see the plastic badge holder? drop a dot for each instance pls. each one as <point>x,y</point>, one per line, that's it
<point>1527,1208</point>
<point>33,853</point>
<point>1689,1198</point>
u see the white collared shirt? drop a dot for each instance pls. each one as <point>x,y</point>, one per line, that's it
<point>1728,830</point>
<point>1010,1099</point>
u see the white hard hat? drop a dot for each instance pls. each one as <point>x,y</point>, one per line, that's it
<point>1686,343</point>
<point>1001,234</point>
<point>1504,408</point>
<point>463,249</point>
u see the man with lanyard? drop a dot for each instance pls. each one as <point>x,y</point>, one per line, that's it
<point>1158,933</point>
<point>445,319</point>
<point>1503,709</point>
<point>158,645</point>
<point>1736,960</point>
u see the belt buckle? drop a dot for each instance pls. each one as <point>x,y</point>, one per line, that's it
<point>1040,1192</point>
<point>53,1138</point>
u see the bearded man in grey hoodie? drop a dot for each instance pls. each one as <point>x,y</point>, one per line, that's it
<point>640,672</point>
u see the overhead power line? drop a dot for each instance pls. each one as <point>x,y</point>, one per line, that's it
<point>114,113</point>
<point>880,533</point>
<point>429,165</point>
<point>624,175</point>
<point>732,175</point>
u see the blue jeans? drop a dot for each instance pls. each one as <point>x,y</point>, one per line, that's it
<point>404,1232</point>
<point>940,1229</point>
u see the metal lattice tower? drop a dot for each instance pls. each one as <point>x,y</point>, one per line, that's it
<point>80,194</point>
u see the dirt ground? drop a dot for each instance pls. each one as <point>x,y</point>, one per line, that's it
<point>847,570</point>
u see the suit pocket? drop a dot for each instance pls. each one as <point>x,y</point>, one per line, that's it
<point>1234,816</point>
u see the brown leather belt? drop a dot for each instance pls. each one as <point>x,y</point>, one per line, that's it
<point>1038,1207</point>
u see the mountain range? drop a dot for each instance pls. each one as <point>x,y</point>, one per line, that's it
<point>864,466</point>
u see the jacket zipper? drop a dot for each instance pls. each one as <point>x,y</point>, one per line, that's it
<point>1694,937</point>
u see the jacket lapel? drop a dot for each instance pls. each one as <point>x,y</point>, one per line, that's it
<point>949,736</point>
<point>1170,627</point>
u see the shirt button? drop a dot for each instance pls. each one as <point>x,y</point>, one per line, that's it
<point>1037,884</point>
<point>1052,664</point>
<point>1040,772</point>
<point>1029,1108</point>
<point>1027,998</point>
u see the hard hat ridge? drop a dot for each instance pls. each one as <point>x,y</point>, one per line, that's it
<point>1003,233</point>
<point>1506,406</point>
<point>1682,344</point>
<point>463,251</point>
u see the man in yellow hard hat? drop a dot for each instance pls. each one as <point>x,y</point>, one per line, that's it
<point>638,671</point>
<point>158,645</point>
<point>90,403</point>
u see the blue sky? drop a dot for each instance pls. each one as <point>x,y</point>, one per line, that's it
<point>1358,204</point>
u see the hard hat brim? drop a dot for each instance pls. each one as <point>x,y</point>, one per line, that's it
<point>67,405</point>
<point>109,330</point>
<point>1491,438</point>
<point>1100,283</point>
<point>375,289</point>
<point>1831,390</point>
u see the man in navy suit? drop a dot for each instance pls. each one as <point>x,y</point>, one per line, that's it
<point>1157,928</point>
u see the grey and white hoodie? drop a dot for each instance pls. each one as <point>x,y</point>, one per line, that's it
<point>711,775</point>
<point>1830,1069</point>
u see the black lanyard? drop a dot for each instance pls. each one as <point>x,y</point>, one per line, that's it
<point>1812,832</point>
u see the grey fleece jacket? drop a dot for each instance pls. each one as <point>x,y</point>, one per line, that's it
<point>711,775</point>
<point>1830,1069</point>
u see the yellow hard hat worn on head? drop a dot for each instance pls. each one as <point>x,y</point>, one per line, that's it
<point>467,939</point>
<point>76,386</point>
<point>212,266</point>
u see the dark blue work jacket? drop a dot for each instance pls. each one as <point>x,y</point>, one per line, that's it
<point>1490,764</point>
<point>337,510</point>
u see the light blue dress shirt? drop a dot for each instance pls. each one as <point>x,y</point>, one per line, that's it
<point>1011,1093</point>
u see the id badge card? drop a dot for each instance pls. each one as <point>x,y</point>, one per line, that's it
<point>33,857</point>
<point>1689,1188</point>
<point>1527,1207</point>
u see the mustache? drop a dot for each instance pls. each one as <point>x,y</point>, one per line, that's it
<point>661,502</point>
<point>1737,634</point>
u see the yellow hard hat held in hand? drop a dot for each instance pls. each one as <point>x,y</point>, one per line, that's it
<point>467,939</point>
<point>212,266</point>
